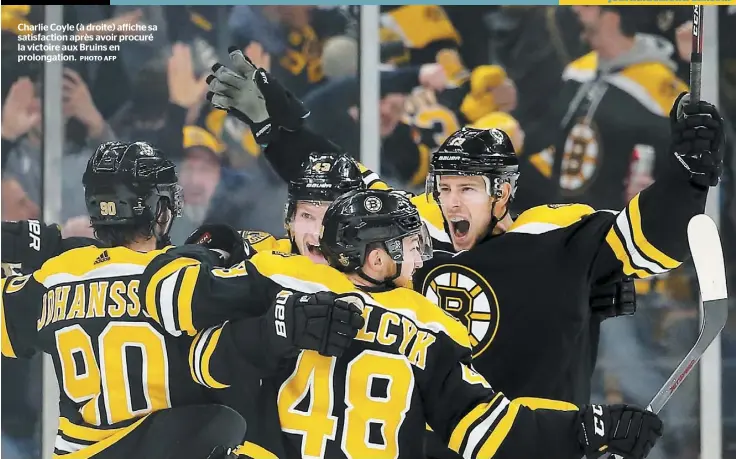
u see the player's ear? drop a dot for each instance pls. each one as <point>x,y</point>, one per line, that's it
<point>505,194</point>
<point>374,259</point>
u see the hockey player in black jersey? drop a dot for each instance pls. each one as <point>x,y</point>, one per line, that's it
<point>481,182</point>
<point>562,251</point>
<point>407,362</point>
<point>120,354</point>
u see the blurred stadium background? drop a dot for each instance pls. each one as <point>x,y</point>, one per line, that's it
<point>388,84</point>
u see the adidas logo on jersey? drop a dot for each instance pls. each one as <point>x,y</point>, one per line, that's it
<point>102,258</point>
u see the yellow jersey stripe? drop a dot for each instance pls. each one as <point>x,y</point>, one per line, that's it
<point>186,294</point>
<point>614,242</point>
<point>205,362</point>
<point>641,241</point>
<point>84,433</point>
<point>153,300</point>
<point>91,450</point>
<point>5,345</point>
<point>80,263</point>
<point>192,353</point>
<point>461,430</point>
<point>494,441</point>
<point>535,403</point>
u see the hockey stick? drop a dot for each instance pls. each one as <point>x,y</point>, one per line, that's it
<point>705,246</point>
<point>696,56</point>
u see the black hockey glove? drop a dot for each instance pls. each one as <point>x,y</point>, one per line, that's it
<point>224,241</point>
<point>324,322</point>
<point>255,97</point>
<point>625,430</point>
<point>697,138</point>
<point>27,244</point>
<point>614,299</point>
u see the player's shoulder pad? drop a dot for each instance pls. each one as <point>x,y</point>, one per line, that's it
<point>582,69</point>
<point>300,273</point>
<point>76,263</point>
<point>424,313</point>
<point>260,241</point>
<point>542,219</point>
<point>653,84</point>
<point>431,214</point>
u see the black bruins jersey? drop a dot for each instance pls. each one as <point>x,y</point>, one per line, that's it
<point>524,295</point>
<point>604,124</point>
<point>404,365</point>
<point>114,360</point>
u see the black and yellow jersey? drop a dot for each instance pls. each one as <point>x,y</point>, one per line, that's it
<point>525,293</point>
<point>402,368</point>
<point>114,361</point>
<point>608,116</point>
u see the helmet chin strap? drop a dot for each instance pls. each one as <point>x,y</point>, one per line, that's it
<point>162,239</point>
<point>387,282</point>
<point>494,219</point>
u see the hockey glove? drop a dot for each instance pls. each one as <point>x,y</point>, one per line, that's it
<point>697,138</point>
<point>322,322</point>
<point>27,244</point>
<point>255,97</point>
<point>625,430</point>
<point>614,299</point>
<point>224,241</point>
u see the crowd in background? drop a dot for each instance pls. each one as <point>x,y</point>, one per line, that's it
<point>442,68</point>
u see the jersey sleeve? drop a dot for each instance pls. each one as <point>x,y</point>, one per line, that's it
<point>20,308</point>
<point>485,424</point>
<point>291,149</point>
<point>649,236</point>
<point>225,353</point>
<point>186,295</point>
<point>287,153</point>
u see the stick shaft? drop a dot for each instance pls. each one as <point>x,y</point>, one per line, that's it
<point>696,57</point>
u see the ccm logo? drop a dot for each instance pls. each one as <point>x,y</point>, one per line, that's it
<point>598,425</point>
<point>280,312</point>
<point>34,232</point>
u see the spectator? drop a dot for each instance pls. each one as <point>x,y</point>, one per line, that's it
<point>166,93</point>
<point>214,193</point>
<point>287,34</point>
<point>16,205</point>
<point>23,138</point>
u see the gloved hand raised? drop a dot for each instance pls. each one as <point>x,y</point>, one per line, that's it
<point>697,139</point>
<point>255,97</point>
<point>625,430</point>
<point>324,322</point>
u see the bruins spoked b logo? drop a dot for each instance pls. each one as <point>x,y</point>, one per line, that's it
<point>468,297</point>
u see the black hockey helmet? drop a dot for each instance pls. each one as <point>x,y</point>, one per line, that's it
<point>358,220</point>
<point>323,178</point>
<point>469,151</point>
<point>130,183</point>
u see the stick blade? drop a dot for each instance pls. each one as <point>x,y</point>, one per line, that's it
<point>707,253</point>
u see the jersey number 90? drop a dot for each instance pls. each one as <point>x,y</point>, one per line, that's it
<point>86,378</point>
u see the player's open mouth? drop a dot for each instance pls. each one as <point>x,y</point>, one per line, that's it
<point>314,250</point>
<point>459,227</point>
